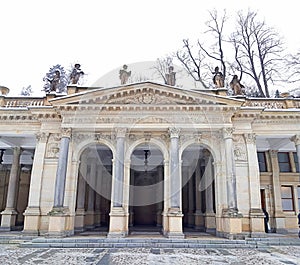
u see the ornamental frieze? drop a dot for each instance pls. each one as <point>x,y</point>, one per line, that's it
<point>52,150</point>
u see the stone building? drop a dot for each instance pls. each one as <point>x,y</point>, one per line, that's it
<point>148,156</point>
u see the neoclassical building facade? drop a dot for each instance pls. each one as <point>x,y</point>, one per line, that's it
<point>149,156</point>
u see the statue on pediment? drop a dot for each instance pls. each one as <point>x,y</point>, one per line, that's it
<point>75,74</point>
<point>124,74</point>
<point>236,86</point>
<point>218,78</point>
<point>171,77</point>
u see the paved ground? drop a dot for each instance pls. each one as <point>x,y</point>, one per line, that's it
<point>12,254</point>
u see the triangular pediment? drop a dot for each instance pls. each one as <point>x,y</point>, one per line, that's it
<point>146,93</point>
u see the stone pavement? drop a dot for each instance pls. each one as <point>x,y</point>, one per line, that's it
<point>12,254</point>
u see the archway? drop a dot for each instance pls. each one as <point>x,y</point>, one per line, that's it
<point>198,190</point>
<point>94,189</point>
<point>146,195</point>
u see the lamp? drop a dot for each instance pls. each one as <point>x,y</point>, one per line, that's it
<point>1,155</point>
<point>146,159</point>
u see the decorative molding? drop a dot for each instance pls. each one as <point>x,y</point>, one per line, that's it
<point>296,139</point>
<point>227,132</point>
<point>120,132</point>
<point>174,132</point>
<point>66,132</point>
<point>250,138</point>
<point>52,150</point>
<point>42,137</point>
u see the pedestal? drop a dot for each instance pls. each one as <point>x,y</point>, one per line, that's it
<point>8,219</point>
<point>257,226</point>
<point>89,219</point>
<point>58,222</point>
<point>118,223</point>
<point>231,225</point>
<point>79,220</point>
<point>210,223</point>
<point>175,223</point>
<point>32,220</point>
<point>199,221</point>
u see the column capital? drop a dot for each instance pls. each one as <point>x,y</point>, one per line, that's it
<point>42,137</point>
<point>227,132</point>
<point>174,132</point>
<point>66,132</point>
<point>273,153</point>
<point>250,138</point>
<point>296,139</point>
<point>121,132</point>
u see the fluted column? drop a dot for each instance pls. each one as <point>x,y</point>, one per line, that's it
<point>61,172</point>
<point>119,168</point>
<point>91,195</point>
<point>159,195</point>
<point>175,213</point>
<point>256,213</point>
<point>9,214</point>
<point>199,218</point>
<point>174,168</point>
<point>230,171</point>
<point>32,213</point>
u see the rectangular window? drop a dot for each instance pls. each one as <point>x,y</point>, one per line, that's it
<point>284,162</point>
<point>262,161</point>
<point>287,198</point>
<point>296,161</point>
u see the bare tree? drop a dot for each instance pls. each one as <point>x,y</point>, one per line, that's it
<point>162,66</point>
<point>191,61</point>
<point>215,26</point>
<point>293,64</point>
<point>258,51</point>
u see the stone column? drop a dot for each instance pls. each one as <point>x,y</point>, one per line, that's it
<point>33,211</point>
<point>296,140</point>
<point>89,218</point>
<point>256,213</point>
<point>199,217</point>
<point>232,219</point>
<point>59,213</point>
<point>278,213</point>
<point>118,217</point>
<point>191,189</point>
<point>159,208</point>
<point>98,196</point>
<point>210,216</point>
<point>81,189</point>
<point>175,212</point>
<point>9,214</point>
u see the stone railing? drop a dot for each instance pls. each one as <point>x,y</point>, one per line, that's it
<point>21,102</point>
<point>272,103</point>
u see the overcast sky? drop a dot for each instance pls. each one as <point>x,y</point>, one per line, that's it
<point>104,35</point>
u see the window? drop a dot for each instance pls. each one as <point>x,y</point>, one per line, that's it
<point>284,162</point>
<point>262,161</point>
<point>287,198</point>
<point>296,162</point>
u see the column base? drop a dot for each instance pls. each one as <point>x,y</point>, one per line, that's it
<point>199,221</point>
<point>231,224</point>
<point>32,221</point>
<point>58,222</point>
<point>118,223</point>
<point>79,220</point>
<point>8,219</point>
<point>210,223</point>
<point>175,224</point>
<point>257,224</point>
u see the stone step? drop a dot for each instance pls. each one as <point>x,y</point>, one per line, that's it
<point>136,243</point>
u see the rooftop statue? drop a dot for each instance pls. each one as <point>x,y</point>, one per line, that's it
<point>75,74</point>
<point>124,74</point>
<point>218,78</point>
<point>55,80</point>
<point>171,77</point>
<point>236,86</point>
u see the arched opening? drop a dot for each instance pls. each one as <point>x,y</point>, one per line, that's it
<point>94,189</point>
<point>146,189</point>
<point>198,190</point>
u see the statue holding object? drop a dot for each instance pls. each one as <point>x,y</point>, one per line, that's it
<point>218,78</point>
<point>236,86</point>
<point>124,75</point>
